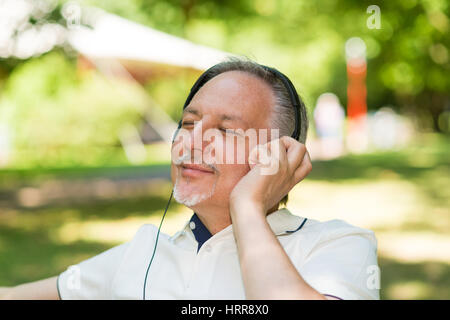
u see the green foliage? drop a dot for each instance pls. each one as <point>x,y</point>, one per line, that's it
<point>408,57</point>
<point>170,93</point>
<point>58,116</point>
<point>50,107</point>
<point>41,227</point>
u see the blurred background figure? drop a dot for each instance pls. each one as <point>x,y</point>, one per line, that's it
<point>357,131</point>
<point>388,130</point>
<point>329,117</point>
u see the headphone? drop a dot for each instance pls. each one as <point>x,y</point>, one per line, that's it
<point>295,101</point>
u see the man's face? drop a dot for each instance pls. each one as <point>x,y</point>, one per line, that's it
<point>210,155</point>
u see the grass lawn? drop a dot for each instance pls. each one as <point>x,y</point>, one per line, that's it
<point>403,196</point>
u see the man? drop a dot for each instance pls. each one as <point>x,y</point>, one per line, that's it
<point>238,243</point>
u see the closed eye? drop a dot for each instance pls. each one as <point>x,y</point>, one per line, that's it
<point>187,123</point>
<point>226,130</point>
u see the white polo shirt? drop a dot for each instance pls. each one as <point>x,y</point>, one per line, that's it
<point>334,257</point>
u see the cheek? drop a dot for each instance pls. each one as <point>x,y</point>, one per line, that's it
<point>234,168</point>
<point>235,152</point>
<point>230,175</point>
<point>232,149</point>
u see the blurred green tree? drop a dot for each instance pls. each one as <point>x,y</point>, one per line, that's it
<point>57,115</point>
<point>408,62</point>
<point>408,57</point>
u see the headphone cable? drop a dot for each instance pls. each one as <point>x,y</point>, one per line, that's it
<point>156,244</point>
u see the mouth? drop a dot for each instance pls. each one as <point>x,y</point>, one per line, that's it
<point>195,170</point>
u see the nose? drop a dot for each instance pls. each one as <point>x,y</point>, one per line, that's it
<point>197,136</point>
<point>201,144</point>
<point>195,144</point>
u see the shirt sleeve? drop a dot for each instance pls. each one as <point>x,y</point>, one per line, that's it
<point>343,263</point>
<point>91,279</point>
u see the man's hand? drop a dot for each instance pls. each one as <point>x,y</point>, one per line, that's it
<point>276,167</point>
<point>267,271</point>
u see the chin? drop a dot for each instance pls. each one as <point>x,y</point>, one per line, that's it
<point>191,194</point>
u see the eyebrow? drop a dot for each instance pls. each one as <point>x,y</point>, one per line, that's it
<point>230,117</point>
<point>193,111</point>
<point>223,117</point>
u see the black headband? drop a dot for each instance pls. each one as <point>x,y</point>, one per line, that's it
<point>286,82</point>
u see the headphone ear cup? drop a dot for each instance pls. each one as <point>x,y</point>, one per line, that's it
<point>295,100</point>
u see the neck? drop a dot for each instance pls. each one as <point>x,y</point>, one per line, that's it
<point>217,218</point>
<point>214,218</point>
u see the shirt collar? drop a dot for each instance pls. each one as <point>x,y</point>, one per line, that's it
<point>282,222</point>
<point>201,233</point>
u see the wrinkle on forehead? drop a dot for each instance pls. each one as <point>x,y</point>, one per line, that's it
<point>222,116</point>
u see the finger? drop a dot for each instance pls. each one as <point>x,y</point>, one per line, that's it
<point>253,157</point>
<point>295,152</point>
<point>277,150</point>
<point>260,155</point>
<point>278,159</point>
<point>304,169</point>
<point>271,154</point>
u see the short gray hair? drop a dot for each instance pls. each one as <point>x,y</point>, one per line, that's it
<point>284,113</point>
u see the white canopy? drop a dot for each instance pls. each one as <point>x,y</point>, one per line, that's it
<point>119,46</point>
<point>113,37</point>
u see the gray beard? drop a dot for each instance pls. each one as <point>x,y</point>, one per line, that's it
<point>191,200</point>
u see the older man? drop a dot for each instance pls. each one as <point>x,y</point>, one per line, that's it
<point>238,243</point>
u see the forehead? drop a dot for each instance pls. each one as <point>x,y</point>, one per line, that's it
<point>235,94</point>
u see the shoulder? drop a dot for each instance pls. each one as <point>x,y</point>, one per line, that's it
<point>145,237</point>
<point>148,232</point>
<point>334,230</point>
<point>334,237</point>
<point>340,259</point>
